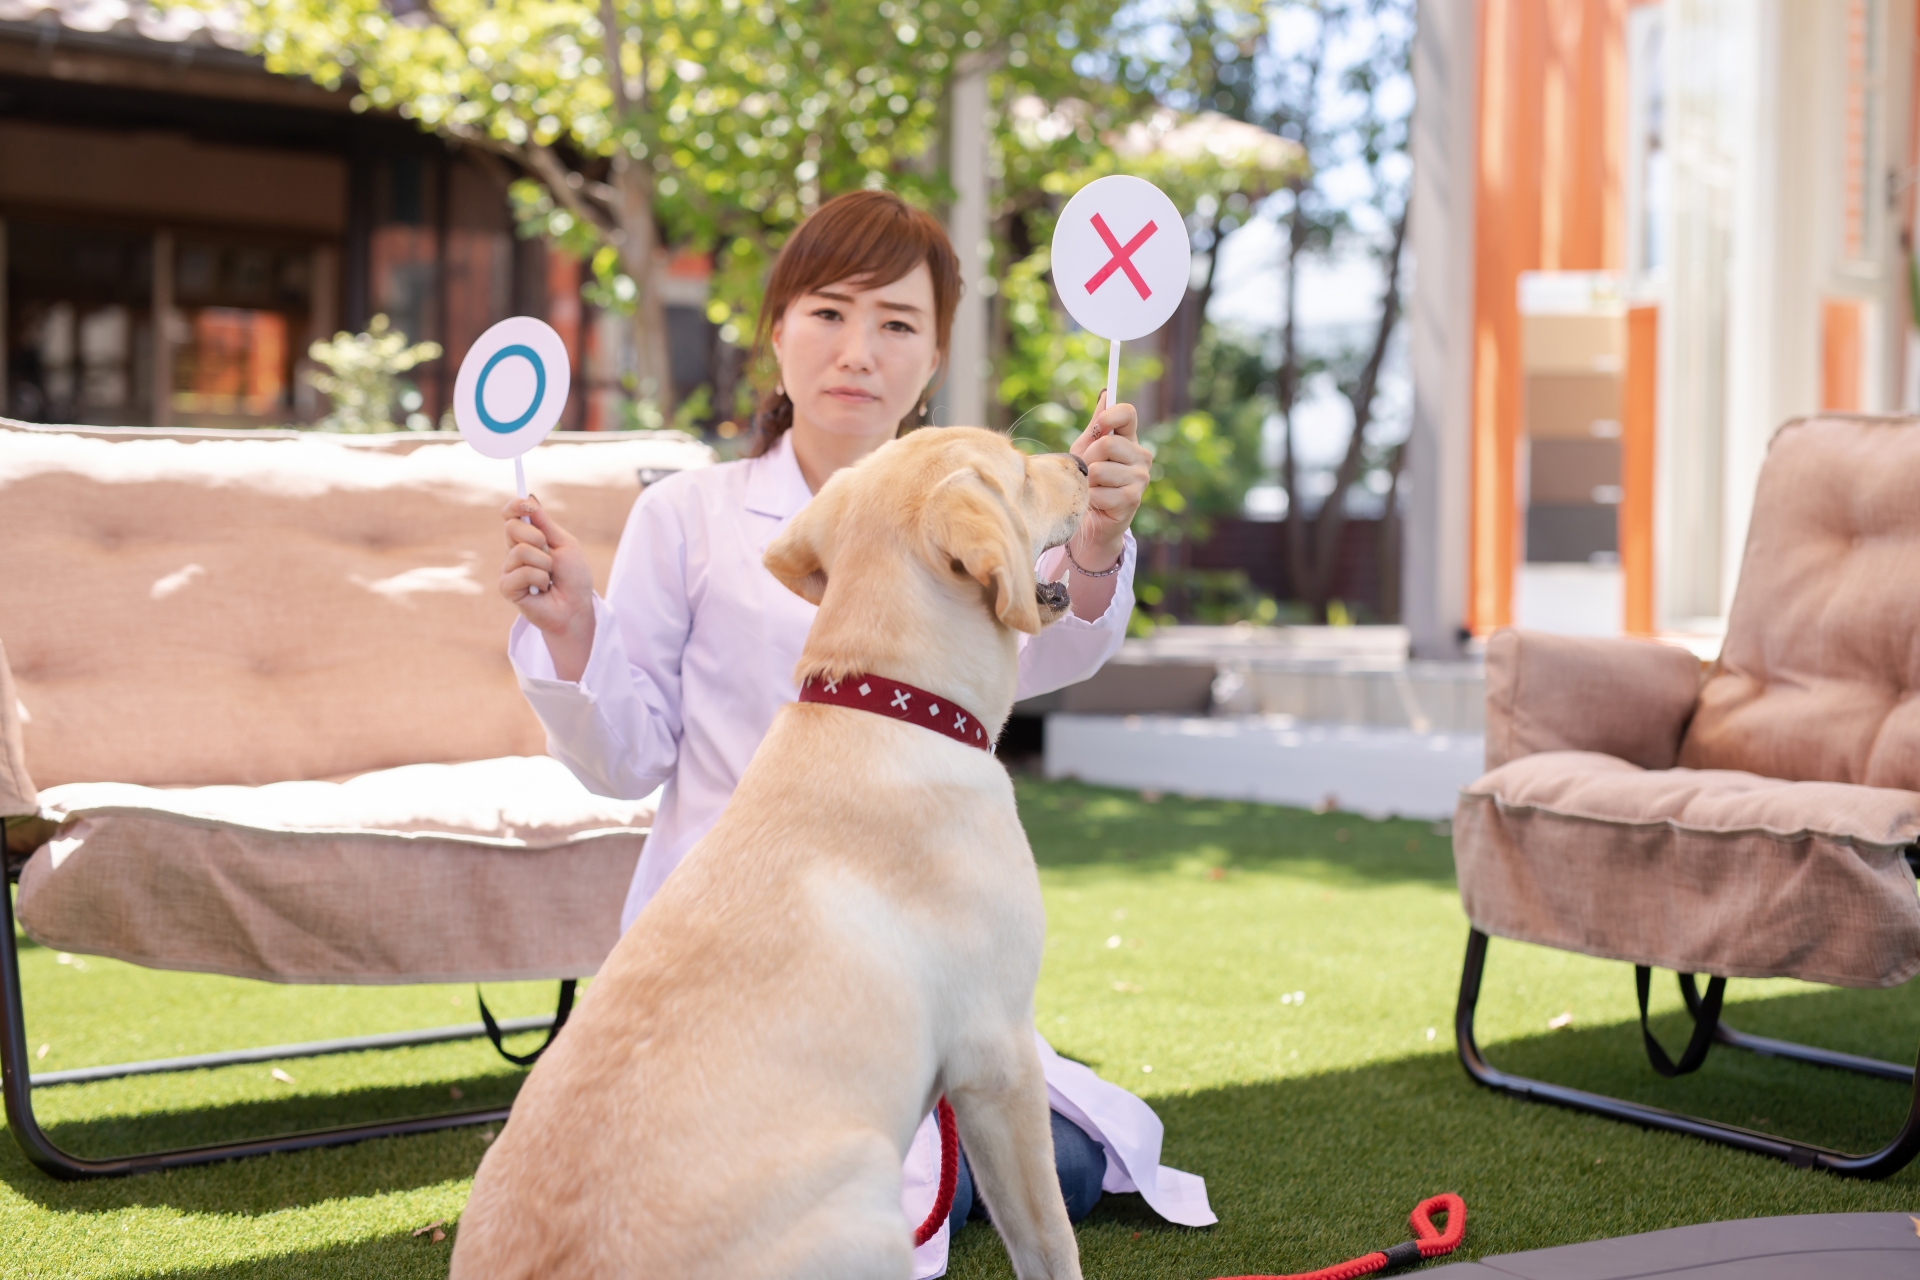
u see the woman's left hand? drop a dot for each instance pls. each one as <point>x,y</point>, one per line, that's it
<point>1118,468</point>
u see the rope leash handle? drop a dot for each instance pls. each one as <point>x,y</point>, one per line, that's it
<point>949,1173</point>
<point>1428,1242</point>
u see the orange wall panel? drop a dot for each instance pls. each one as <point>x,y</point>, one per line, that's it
<point>1638,415</point>
<point>1547,197</point>
<point>1840,355</point>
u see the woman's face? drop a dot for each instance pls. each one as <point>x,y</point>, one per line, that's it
<point>855,359</point>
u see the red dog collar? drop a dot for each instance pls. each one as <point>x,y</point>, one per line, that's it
<point>901,702</point>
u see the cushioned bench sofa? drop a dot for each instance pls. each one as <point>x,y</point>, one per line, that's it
<point>259,680</point>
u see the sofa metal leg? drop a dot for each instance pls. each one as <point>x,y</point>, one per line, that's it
<point>287,1052</point>
<point>1768,1048</point>
<point>17,1085</point>
<point>1879,1164</point>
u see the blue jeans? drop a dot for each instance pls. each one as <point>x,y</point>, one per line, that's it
<point>1080,1161</point>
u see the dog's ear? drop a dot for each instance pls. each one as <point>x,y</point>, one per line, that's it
<point>973,528</point>
<point>799,557</point>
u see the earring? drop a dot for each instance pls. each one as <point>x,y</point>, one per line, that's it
<point>779,387</point>
<point>926,410</point>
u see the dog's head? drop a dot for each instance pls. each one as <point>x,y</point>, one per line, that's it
<point>965,503</point>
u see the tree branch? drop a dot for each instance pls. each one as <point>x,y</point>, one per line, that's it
<point>541,161</point>
<point>616,73</point>
<point>1333,515</point>
<point>547,166</point>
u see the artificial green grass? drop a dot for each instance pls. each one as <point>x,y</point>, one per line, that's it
<point>1175,929</point>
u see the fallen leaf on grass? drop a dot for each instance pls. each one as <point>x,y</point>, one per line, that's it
<point>1128,987</point>
<point>432,1231</point>
<point>43,1051</point>
<point>454,1090</point>
<point>1560,1022</point>
<point>281,1076</point>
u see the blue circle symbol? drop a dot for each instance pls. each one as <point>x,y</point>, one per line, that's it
<point>532,357</point>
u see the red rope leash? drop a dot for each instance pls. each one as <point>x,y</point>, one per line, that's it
<point>1429,1243</point>
<point>949,1174</point>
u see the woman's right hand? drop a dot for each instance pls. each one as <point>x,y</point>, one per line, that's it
<point>544,558</point>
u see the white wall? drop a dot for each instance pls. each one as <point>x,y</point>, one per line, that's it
<point>1756,102</point>
<point>1440,316</point>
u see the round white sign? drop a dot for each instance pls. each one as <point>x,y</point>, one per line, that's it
<point>512,387</point>
<point>1121,259</point>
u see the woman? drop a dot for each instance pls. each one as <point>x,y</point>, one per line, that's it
<point>673,677</point>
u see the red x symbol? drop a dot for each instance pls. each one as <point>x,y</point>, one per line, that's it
<point>1122,259</point>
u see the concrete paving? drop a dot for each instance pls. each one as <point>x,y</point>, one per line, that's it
<point>1368,769</point>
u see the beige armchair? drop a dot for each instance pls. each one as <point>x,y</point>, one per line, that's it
<point>1755,819</point>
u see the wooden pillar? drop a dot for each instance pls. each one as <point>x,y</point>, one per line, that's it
<point>4,401</point>
<point>323,304</point>
<point>160,385</point>
<point>442,287</point>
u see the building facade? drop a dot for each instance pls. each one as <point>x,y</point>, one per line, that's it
<point>1648,233</point>
<point>178,225</point>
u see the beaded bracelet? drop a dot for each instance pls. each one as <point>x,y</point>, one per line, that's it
<point>1088,573</point>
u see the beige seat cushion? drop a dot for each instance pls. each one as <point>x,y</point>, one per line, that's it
<point>1703,871</point>
<point>494,870</point>
<point>1819,678</point>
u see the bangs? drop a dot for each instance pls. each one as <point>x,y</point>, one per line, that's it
<point>866,239</point>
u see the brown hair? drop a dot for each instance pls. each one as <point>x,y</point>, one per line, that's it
<point>869,237</point>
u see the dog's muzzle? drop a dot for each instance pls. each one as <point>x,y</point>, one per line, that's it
<point>1053,596</point>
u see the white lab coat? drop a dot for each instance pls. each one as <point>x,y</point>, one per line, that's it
<point>693,652</point>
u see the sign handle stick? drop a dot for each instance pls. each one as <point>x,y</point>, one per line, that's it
<point>520,483</point>
<point>1113,372</point>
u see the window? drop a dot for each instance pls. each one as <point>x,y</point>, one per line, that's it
<point>79,332</point>
<point>237,308</point>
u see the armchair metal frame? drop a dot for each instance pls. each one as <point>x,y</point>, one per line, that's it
<point>1888,1160</point>
<point>18,1084</point>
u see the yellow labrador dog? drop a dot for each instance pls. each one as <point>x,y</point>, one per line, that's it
<point>859,933</point>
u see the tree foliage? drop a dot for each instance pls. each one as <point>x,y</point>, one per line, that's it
<point>361,374</point>
<point>710,124</point>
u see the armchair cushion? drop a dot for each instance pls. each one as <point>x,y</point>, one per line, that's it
<point>1626,698</point>
<point>494,870</point>
<point>1702,871</point>
<point>1819,677</point>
